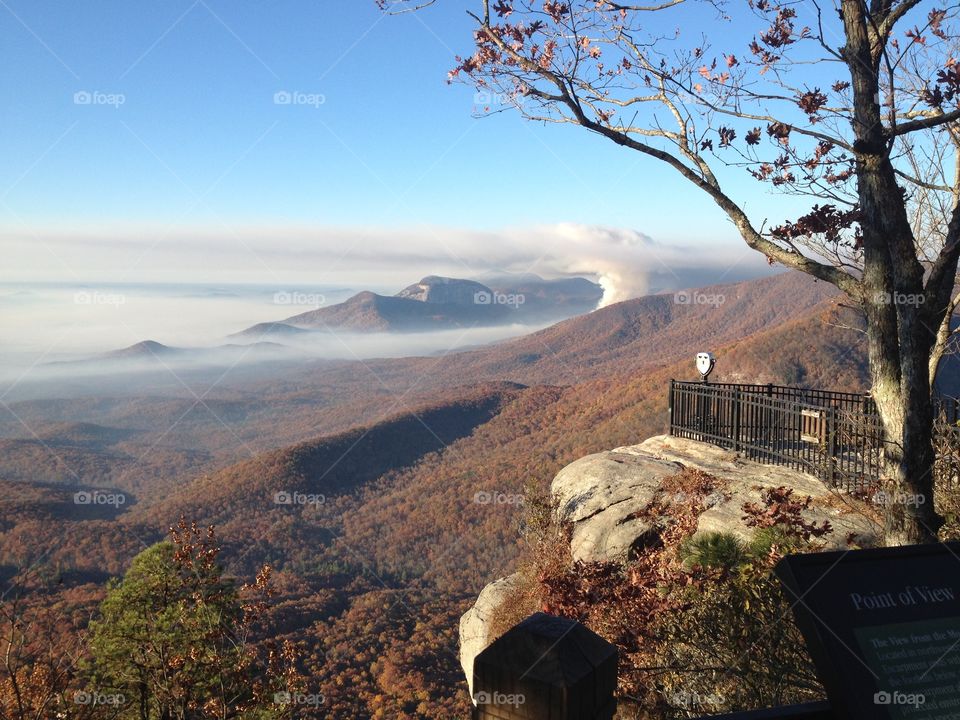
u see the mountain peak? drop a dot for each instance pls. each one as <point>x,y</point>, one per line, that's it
<point>144,348</point>
<point>438,289</point>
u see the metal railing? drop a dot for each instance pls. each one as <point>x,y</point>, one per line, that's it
<point>835,436</point>
<point>850,401</point>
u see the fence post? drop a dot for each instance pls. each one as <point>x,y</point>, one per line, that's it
<point>546,667</point>
<point>766,419</point>
<point>736,419</point>
<point>831,417</point>
<point>673,384</point>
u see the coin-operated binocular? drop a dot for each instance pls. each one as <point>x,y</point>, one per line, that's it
<point>705,363</point>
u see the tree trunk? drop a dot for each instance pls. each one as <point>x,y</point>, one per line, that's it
<point>892,297</point>
<point>901,390</point>
<point>910,517</point>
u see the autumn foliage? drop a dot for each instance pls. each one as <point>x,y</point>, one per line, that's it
<point>701,624</point>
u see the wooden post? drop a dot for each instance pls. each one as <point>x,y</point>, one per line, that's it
<point>673,384</point>
<point>766,417</point>
<point>546,667</point>
<point>831,444</point>
<point>736,419</point>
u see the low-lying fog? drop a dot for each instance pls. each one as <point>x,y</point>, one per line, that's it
<point>52,337</point>
<point>67,322</point>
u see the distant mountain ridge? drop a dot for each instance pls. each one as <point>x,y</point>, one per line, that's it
<point>148,353</point>
<point>144,349</point>
<point>440,290</point>
<point>386,493</point>
<point>443,303</point>
<point>628,336</point>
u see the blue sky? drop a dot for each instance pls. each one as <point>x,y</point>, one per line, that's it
<point>182,130</point>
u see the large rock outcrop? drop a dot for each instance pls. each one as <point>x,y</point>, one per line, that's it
<point>600,495</point>
<point>603,497</point>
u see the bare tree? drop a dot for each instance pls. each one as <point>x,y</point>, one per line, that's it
<point>40,655</point>
<point>853,103</point>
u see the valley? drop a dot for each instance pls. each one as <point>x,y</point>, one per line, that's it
<point>403,483</point>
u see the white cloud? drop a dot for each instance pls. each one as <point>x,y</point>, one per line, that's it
<point>626,262</point>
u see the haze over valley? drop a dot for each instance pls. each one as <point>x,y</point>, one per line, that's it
<point>428,360</point>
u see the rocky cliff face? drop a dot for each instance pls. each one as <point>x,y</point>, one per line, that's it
<point>603,495</point>
<point>476,625</point>
<point>600,495</point>
<point>435,289</point>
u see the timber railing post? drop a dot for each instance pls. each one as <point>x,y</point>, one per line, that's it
<point>736,419</point>
<point>831,443</point>
<point>673,387</point>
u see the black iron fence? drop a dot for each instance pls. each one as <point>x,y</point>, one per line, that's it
<point>854,402</point>
<point>835,436</point>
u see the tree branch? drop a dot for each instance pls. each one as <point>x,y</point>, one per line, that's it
<point>923,123</point>
<point>643,8</point>
<point>894,16</point>
<point>789,258</point>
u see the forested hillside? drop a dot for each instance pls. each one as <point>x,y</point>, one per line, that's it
<point>381,533</point>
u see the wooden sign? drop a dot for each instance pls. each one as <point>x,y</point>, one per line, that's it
<point>882,627</point>
<point>812,426</point>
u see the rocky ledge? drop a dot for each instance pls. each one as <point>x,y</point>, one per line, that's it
<point>603,496</point>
